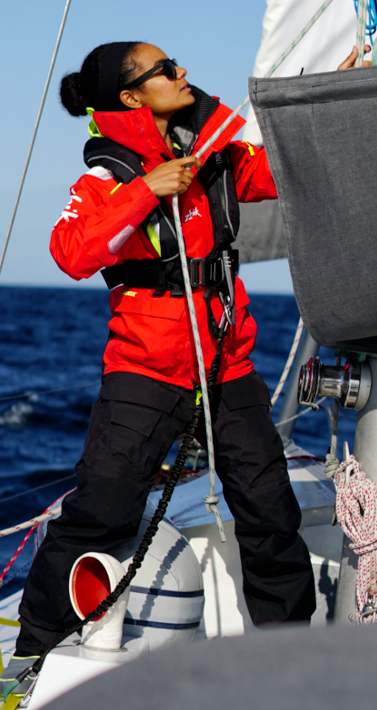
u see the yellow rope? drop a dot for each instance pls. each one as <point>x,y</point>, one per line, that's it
<point>11,702</point>
<point>9,622</point>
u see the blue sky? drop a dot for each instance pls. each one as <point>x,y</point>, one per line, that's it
<point>215,40</point>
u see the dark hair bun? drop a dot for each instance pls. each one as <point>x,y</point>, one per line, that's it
<point>71,95</point>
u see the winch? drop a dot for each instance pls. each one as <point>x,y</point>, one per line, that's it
<point>350,384</point>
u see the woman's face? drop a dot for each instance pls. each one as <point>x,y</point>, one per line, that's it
<point>163,95</point>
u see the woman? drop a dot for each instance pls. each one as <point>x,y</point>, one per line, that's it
<point>148,117</point>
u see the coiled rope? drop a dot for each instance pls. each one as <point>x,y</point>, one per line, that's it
<point>356,511</point>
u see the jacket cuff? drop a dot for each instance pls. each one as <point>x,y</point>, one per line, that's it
<point>137,190</point>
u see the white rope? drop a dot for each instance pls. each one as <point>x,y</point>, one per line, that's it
<point>212,500</point>
<point>271,71</point>
<point>332,461</point>
<point>39,116</point>
<point>289,362</point>
<point>30,523</point>
<point>300,414</point>
<point>356,511</point>
<point>362,17</point>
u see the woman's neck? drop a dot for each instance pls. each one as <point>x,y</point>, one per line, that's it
<point>162,123</point>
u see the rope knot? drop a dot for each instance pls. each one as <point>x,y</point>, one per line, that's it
<point>331,466</point>
<point>211,500</point>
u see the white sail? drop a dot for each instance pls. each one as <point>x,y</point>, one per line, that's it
<point>322,49</point>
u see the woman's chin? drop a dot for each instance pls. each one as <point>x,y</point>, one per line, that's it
<point>187,98</point>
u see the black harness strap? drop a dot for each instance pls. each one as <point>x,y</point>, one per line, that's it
<point>166,276</point>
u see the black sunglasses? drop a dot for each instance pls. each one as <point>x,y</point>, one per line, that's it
<point>169,67</point>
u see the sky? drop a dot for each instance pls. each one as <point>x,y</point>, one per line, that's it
<point>215,40</point>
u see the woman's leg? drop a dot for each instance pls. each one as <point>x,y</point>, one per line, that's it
<point>278,577</point>
<point>132,427</point>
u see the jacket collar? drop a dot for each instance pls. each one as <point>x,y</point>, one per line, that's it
<point>138,131</point>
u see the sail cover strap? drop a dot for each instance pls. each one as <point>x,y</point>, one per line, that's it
<point>319,132</point>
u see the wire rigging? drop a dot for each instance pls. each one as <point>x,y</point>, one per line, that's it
<point>39,116</point>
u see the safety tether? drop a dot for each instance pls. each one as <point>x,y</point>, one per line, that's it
<point>212,500</point>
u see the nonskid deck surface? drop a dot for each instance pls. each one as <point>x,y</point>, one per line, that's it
<point>225,612</point>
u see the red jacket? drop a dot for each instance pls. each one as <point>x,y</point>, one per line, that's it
<point>100,227</point>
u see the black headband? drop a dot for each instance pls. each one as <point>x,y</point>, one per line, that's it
<point>108,96</point>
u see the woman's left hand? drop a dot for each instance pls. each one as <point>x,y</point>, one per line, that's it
<point>349,63</point>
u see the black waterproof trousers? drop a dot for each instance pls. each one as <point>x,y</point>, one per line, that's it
<point>132,427</point>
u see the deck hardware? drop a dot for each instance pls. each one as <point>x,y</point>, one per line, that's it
<point>369,609</point>
<point>350,384</point>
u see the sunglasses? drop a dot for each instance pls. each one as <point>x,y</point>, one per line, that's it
<point>169,69</point>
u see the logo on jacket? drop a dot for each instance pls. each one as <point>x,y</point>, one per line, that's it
<point>191,214</point>
<point>69,211</point>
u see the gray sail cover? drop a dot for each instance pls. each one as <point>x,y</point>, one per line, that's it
<point>320,135</point>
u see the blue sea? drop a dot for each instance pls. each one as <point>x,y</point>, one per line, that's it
<point>52,340</point>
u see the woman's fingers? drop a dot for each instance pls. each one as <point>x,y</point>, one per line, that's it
<point>174,176</point>
<point>349,63</point>
<point>188,161</point>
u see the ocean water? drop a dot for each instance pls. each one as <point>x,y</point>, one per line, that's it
<point>52,342</point>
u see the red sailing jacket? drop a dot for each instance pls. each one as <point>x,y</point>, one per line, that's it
<point>100,227</point>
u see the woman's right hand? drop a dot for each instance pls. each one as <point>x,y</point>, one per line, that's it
<point>172,177</point>
<point>349,63</point>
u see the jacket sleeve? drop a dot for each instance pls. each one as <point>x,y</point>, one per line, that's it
<point>94,227</point>
<point>252,174</point>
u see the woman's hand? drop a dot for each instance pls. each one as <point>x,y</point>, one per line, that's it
<point>172,177</point>
<point>349,63</point>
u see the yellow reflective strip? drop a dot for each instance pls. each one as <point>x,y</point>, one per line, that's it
<point>11,702</point>
<point>93,129</point>
<point>129,293</point>
<point>199,395</point>
<point>1,664</point>
<point>250,148</point>
<point>175,145</point>
<point>9,622</point>
<point>154,240</point>
<point>116,187</point>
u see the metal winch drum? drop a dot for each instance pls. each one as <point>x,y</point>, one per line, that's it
<point>351,384</point>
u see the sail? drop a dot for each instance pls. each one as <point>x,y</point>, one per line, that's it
<point>319,133</point>
<point>327,43</point>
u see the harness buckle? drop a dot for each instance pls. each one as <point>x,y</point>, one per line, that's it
<point>198,272</point>
<point>227,298</point>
